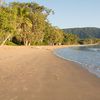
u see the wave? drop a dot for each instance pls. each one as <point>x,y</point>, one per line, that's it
<point>88,60</point>
<point>94,49</point>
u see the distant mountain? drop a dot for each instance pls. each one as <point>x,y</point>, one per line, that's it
<point>87,32</point>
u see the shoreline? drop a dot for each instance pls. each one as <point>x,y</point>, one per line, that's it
<point>35,73</point>
<point>84,66</point>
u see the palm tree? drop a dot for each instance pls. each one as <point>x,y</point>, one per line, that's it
<point>23,23</point>
<point>6,24</point>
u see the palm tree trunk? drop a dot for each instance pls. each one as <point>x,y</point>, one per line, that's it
<point>5,39</point>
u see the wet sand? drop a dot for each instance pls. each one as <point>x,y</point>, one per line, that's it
<point>34,73</point>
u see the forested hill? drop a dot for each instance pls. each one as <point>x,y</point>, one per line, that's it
<point>87,32</point>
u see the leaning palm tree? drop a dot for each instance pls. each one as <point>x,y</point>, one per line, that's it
<point>7,23</point>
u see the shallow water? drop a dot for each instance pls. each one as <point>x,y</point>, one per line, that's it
<point>88,56</point>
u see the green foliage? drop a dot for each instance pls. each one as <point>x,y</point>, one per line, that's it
<point>88,32</point>
<point>89,41</point>
<point>53,35</point>
<point>27,24</point>
<point>10,43</point>
<point>70,38</point>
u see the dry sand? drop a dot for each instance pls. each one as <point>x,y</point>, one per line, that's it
<point>34,73</point>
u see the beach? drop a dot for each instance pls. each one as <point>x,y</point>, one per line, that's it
<point>35,73</point>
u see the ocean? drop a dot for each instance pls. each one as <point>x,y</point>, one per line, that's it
<point>87,56</point>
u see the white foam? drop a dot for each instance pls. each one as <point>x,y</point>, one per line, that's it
<point>90,67</point>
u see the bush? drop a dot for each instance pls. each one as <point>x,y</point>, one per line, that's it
<point>10,43</point>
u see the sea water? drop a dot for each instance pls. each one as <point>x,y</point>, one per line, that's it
<point>88,56</point>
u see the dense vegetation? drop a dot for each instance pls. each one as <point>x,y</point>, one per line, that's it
<point>87,32</point>
<point>27,24</point>
<point>86,35</point>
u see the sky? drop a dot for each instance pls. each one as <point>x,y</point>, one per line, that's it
<point>72,13</point>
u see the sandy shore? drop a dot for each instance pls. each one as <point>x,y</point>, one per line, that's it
<point>34,73</point>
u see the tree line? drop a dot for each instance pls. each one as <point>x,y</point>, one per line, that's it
<point>87,35</point>
<point>27,24</point>
<point>86,32</point>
